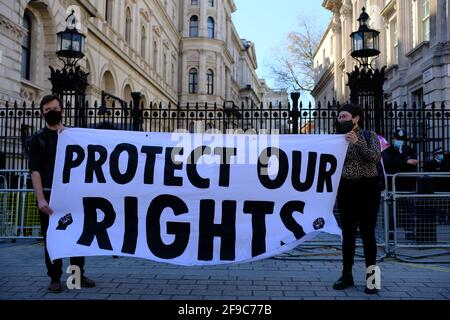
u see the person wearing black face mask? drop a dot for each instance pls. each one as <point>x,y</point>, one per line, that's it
<point>359,194</point>
<point>41,164</point>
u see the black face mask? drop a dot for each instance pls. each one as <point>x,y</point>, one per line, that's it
<point>344,126</point>
<point>53,117</point>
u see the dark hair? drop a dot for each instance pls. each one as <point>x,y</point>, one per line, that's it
<point>49,98</point>
<point>354,110</point>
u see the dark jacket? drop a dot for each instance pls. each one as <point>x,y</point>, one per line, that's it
<point>397,162</point>
<point>439,184</point>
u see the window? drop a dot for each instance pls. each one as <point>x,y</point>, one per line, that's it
<point>193,27</point>
<point>128,22</point>
<point>417,98</point>
<point>210,81</point>
<point>26,48</point>
<point>426,20</point>
<point>211,3</point>
<point>210,28</point>
<point>393,39</point>
<point>193,81</point>
<point>108,10</point>
<point>143,41</point>
<point>194,2</point>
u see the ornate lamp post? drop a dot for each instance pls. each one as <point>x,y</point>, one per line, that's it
<point>70,83</point>
<point>366,82</point>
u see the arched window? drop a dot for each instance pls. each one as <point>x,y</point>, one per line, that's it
<point>127,94</point>
<point>194,2</point>
<point>211,3</point>
<point>26,48</point>
<point>210,28</point>
<point>193,27</point>
<point>193,81</point>
<point>210,81</point>
<point>143,41</point>
<point>128,22</point>
<point>108,10</point>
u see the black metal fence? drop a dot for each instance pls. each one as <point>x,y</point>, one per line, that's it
<point>427,127</point>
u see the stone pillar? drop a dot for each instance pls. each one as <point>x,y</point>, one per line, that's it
<point>448,20</point>
<point>203,28</point>
<point>346,22</point>
<point>219,29</point>
<point>441,22</point>
<point>404,27</point>
<point>337,43</point>
<point>202,73</point>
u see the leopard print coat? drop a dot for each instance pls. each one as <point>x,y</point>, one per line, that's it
<point>362,157</point>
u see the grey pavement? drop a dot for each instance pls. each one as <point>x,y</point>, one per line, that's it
<point>23,276</point>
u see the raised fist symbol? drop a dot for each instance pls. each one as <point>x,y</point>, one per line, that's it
<point>318,223</point>
<point>64,222</point>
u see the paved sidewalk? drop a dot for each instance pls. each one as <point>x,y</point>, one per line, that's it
<point>23,276</point>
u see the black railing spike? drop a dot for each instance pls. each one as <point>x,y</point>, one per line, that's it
<point>261,105</point>
<point>160,105</point>
<point>113,104</point>
<point>405,105</point>
<point>6,105</point>
<point>196,105</point>
<point>187,106</point>
<point>270,105</point>
<point>24,105</point>
<point>242,105</point>
<point>279,105</point>
<point>433,105</point>
<point>32,105</point>
<point>310,105</point>
<point>443,105</point>
<point>95,104</point>
<point>215,105</point>
<point>206,105</point>
<point>395,105</point>
<point>15,104</point>
<point>414,106</point>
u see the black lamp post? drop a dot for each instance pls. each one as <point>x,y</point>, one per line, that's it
<point>365,41</point>
<point>70,83</point>
<point>71,44</point>
<point>366,82</point>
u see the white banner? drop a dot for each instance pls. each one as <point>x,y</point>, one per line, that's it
<point>191,199</point>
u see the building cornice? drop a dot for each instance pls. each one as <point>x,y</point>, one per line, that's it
<point>389,9</point>
<point>11,29</point>
<point>89,8</point>
<point>324,79</point>
<point>332,4</point>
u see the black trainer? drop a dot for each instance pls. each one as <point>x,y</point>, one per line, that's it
<point>371,291</point>
<point>87,283</point>
<point>55,287</point>
<point>344,282</point>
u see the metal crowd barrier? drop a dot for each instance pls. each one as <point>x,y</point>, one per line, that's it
<point>421,218</point>
<point>19,215</point>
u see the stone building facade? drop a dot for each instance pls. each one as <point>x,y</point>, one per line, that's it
<point>414,45</point>
<point>178,51</point>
